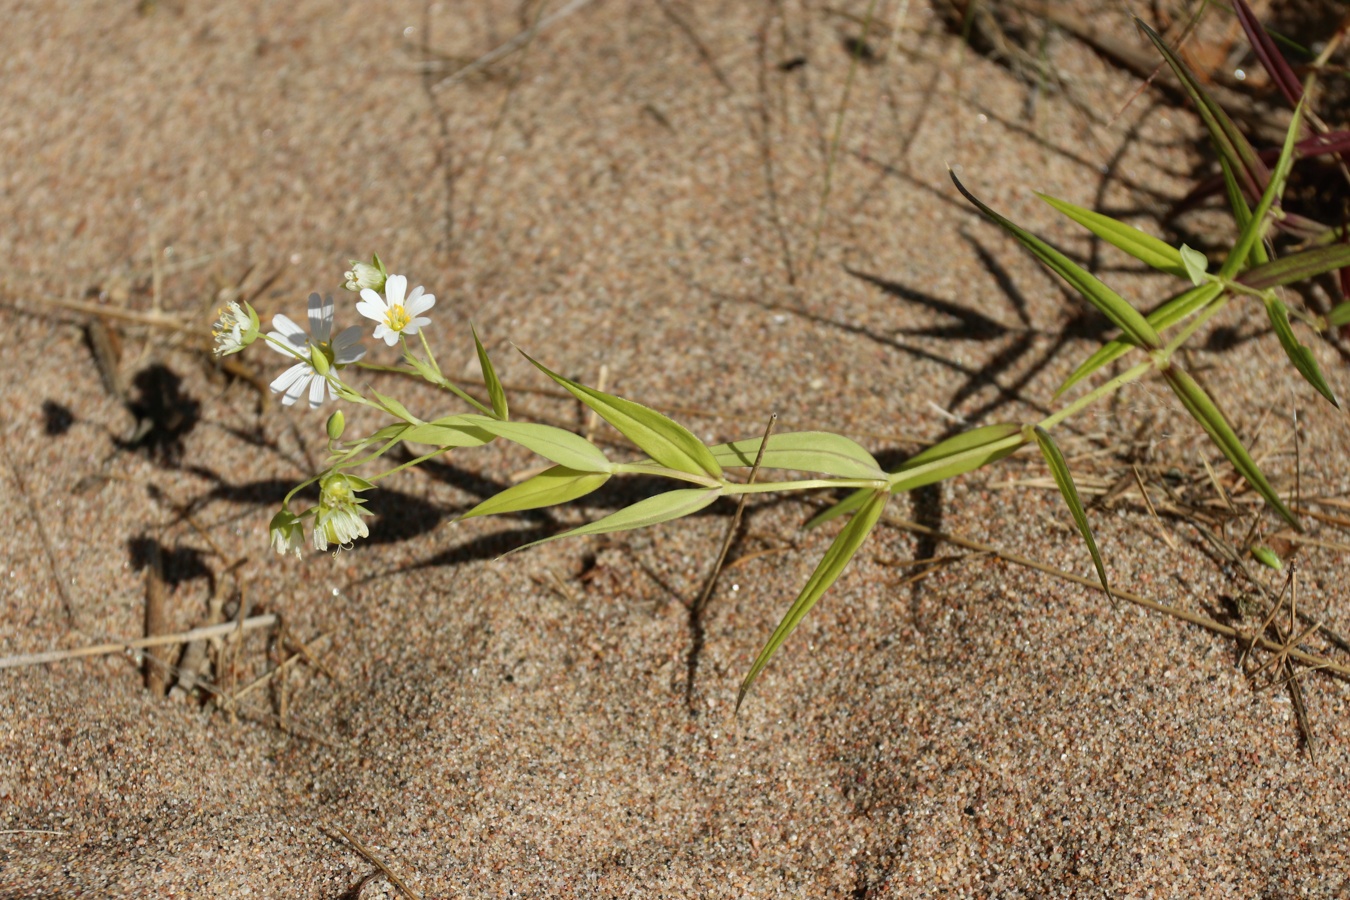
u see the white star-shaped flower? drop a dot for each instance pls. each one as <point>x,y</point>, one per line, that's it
<point>396,315</point>
<point>319,345</point>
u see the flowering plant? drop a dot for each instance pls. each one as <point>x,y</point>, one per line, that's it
<point>578,467</point>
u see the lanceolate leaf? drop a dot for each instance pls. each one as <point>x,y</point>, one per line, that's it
<point>1339,315</point>
<point>1297,267</point>
<point>1232,147</point>
<point>395,408</point>
<point>1203,410</point>
<point>957,455</point>
<point>1112,305</point>
<point>1165,316</point>
<point>451,431</point>
<point>1271,58</point>
<point>803,451</point>
<point>1254,231</point>
<point>548,488</point>
<point>845,544</point>
<point>663,439</point>
<point>851,503</point>
<point>652,511</point>
<point>496,393</point>
<point>1143,247</point>
<point>1059,469</point>
<point>554,444</point>
<point>1298,354</point>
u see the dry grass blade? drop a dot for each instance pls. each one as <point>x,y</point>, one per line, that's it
<point>213,631</point>
<point>376,861</point>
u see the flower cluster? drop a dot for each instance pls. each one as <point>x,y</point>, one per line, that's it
<point>317,355</point>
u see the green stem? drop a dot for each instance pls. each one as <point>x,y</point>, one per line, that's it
<point>1096,394</point>
<point>806,484</point>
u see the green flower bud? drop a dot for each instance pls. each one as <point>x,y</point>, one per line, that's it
<point>336,423</point>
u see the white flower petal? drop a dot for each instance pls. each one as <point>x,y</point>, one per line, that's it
<point>372,309</point>
<point>347,346</point>
<point>394,288</point>
<point>287,378</point>
<point>297,390</point>
<point>320,317</point>
<point>317,385</point>
<point>418,305</point>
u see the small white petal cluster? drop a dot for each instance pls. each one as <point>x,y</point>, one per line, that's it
<point>363,276</point>
<point>234,328</point>
<point>396,314</point>
<point>318,352</point>
<point>287,533</point>
<point>338,520</point>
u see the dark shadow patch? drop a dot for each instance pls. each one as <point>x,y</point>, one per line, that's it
<point>56,419</point>
<point>179,564</point>
<point>164,415</point>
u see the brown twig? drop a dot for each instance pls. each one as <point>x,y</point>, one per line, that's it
<point>376,861</point>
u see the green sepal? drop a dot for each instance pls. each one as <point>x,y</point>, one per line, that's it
<point>496,393</point>
<point>660,437</point>
<point>803,451</point>
<point>1059,470</point>
<point>1142,246</point>
<point>652,511</point>
<point>1112,305</point>
<point>827,571</point>
<point>549,488</point>
<point>1203,410</point>
<point>1298,354</point>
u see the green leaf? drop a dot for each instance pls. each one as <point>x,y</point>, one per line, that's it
<point>957,455</point>
<point>426,370</point>
<point>1112,305</point>
<point>1298,354</point>
<point>1165,316</point>
<point>1339,315</point>
<point>554,444</point>
<point>845,544</point>
<point>549,488</point>
<point>1196,263</point>
<point>496,392</point>
<point>652,511</point>
<point>803,451</point>
<point>450,431</point>
<point>1254,231</point>
<point>851,503</point>
<point>1233,148</point>
<point>1297,267</point>
<point>1267,557</point>
<point>1059,469</point>
<point>662,438</point>
<point>1143,247</point>
<point>1203,410</point>
<point>395,408</point>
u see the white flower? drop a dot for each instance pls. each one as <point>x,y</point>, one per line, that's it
<point>287,534</point>
<point>365,276</point>
<point>338,520</point>
<point>317,351</point>
<point>235,328</point>
<point>396,316</point>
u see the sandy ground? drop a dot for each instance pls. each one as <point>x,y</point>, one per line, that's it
<point>638,192</point>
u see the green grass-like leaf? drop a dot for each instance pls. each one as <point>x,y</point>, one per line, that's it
<point>1203,410</point>
<point>660,437</point>
<point>652,511</point>
<point>827,571</point>
<point>395,408</point>
<point>496,393</point>
<point>1112,305</point>
<point>1059,469</point>
<point>553,444</point>
<point>803,451</point>
<point>450,431</point>
<point>1298,354</point>
<point>1142,246</point>
<point>1165,316</point>
<point>957,455</point>
<point>1254,231</point>
<point>1339,315</point>
<point>1297,267</point>
<point>549,488</point>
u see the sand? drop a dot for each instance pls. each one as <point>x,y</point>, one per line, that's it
<point>637,193</point>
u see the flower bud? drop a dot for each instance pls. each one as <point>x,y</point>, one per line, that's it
<point>336,423</point>
<point>363,276</point>
<point>286,532</point>
<point>319,360</point>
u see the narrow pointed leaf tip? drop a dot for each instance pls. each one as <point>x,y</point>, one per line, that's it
<point>496,393</point>
<point>660,437</point>
<point>827,571</point>
<point>1059,470</point>
<point>1112,305</point>
<point>1300,355</point>
<point>1142,246</point>
<point>803,451</point>
<point>549,488</point>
